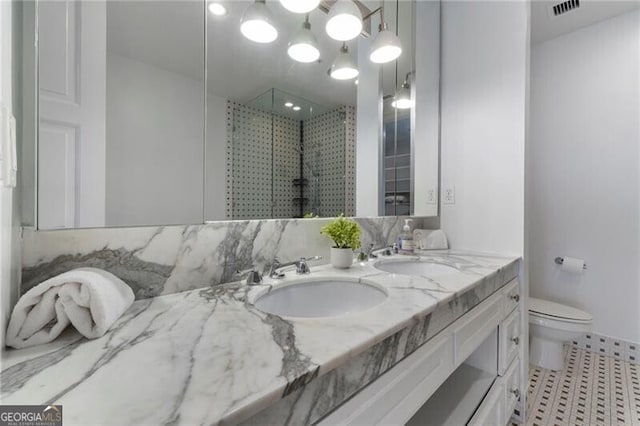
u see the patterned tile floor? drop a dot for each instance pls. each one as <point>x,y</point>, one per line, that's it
<point>592,390</point>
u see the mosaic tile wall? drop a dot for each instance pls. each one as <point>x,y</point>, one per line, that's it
<point>286,167</point>
<point>255,167</point>
<point>324,144</point>
<point>350,172</point>
<point>616,348</point>
<point>259,177</point>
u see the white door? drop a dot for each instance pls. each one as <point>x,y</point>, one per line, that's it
<point>71,140</point>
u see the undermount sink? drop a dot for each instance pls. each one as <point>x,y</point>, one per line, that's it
<point>320,298</point>
<point>416,267</point>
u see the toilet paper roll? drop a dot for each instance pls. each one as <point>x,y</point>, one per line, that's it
<point>573,265</point>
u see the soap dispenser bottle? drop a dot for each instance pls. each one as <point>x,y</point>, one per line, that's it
<point>405,241</point>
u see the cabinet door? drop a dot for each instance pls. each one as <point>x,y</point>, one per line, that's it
<point>474,327</point>
<point>511,293</point>
<point>510,340</point>
<point>511,388</point>
<point>492,409</point>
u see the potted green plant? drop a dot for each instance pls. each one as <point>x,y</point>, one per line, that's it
<point>345,234</point>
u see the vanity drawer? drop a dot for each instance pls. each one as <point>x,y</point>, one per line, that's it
<point>492,409</point>
<point>511,388</point>
<point>475,326</point>
<point>400,392</point>
<point>509,341</point>
<point>511,293</point>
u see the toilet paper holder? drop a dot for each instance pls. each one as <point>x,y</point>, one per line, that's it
<point>560,260</point>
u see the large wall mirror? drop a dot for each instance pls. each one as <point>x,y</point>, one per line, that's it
<point>166,112</point>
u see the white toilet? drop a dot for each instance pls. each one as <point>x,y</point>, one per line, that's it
<point>550,325</point>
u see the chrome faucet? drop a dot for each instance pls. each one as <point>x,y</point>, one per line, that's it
<point>277,268</point>
<point>373,253</point>
<point>253,276</point>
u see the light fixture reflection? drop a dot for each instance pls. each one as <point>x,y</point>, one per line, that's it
<point>402,99</point>
<point>386,47</point>
<point>345,21</point>
<point>217,9</point>
<point>288,104</point>
<point>303,46</point>
<point>344,67</point>
<point>296,108</point>
<point>257,23</point>
<point>300,6</point>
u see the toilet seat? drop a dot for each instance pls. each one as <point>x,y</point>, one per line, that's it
<point>556,311</point>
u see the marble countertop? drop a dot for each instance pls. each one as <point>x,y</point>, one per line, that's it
<point>208,356</point>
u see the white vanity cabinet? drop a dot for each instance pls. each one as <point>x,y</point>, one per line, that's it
<point>469,373</point>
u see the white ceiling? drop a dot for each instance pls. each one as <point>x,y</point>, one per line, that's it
<point>544,26</point>
<point>169,34</point>
<point>166,34</point>
<point>241,69</point>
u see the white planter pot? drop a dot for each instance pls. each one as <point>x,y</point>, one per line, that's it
<point>341,258</point>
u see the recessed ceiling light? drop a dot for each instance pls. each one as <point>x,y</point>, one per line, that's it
<point>356,82</point>
<point>296,108</point>
<point>288,104</point>
<point>217,9</point>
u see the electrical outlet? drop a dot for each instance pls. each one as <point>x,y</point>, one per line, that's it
<point>432,197</point>
<point>449,195</point>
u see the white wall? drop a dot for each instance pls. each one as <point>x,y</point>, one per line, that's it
<point>216,155</point>
<point>368,136</point>
<point>484,80</point>
<point>9,198</point>
<point>153,111</point>
<point>584,171</point>
<point>425,138</point>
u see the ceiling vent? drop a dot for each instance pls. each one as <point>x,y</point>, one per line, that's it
<point>564,7</point>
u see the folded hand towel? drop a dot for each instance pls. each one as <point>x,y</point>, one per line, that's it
<point>430,239</point>
<point>90,299</point>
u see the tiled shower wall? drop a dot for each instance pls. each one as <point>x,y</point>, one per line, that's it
<point>260,176</point>
<point>255,167</point>
<point>329,146</point>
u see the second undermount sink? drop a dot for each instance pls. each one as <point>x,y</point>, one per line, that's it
<point>320,298</point>
<point>420,267</point>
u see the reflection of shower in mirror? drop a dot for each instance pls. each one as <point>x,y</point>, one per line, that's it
<point>288,163</point>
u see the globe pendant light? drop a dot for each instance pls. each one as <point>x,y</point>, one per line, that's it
<point>344,67</point>
<point>303,46</point>
<point>386,47</point>
<point>257,23</point>
<point>300,6</point>
<point>402,99</point>
<point>345,21</point>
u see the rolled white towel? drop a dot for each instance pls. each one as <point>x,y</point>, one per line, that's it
<point>90,299</point>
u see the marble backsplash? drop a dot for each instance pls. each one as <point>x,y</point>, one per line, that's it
<point>168,259</point>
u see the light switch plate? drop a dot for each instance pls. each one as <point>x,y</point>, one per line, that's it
<point>432,196</point>
<point>449,195</point>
